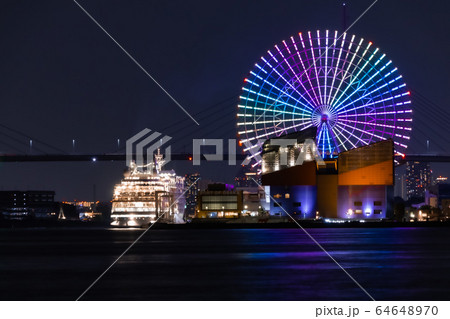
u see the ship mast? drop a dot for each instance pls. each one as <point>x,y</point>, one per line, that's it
<point>159,161</point>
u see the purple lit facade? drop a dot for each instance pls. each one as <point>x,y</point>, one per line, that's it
<point>365,202</point>
<point>300,200</point>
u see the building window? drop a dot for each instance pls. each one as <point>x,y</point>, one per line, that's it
<point>219,206</point>
<point>377,203</point>
<point>287,195</point>
<point>358,204</point>
<point>277,196</point>
<point>377,211</point>
<point>277,204</point>
<point>358,211</point>
<point>297,204</point>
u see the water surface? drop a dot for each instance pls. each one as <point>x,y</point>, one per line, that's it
<point>225,264</point>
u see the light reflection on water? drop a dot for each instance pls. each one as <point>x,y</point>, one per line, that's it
<point>253,264</point>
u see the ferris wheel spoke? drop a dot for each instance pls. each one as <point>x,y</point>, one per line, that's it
<point>276,100</point>
<point>320,67</point>
<point>278,130</point>
<point>277,120</point>
<point>315,66</point>
<point>349,65</point>
<point>363,85</point>
<point>263,110</point>
<point>371,124</point>
<point>284,92</point>
<point>319,135</point>
<point>378,88</point>
<point>349,135</point>
<point>287,82</point>
<point>333,142</point>
<point>389,93</point>
<point>311,100</point>
<point>293,72</point>
<point>345,137</point>
<point>274,132</point>
<point>305,70</point>
<point>340,141</point>
<point>403,112</point>
<point>364,132</point>
<point>336,67</point>
<point>380,101</point>
<point>356,77</point>
<point>326,66</point>
<point>326,142</point>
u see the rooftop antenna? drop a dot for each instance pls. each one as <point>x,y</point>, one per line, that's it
<point>344,17</point>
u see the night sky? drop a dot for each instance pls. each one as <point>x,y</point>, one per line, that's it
<point>62,78</point>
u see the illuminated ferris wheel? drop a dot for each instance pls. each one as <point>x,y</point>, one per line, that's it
<point>338,83</point>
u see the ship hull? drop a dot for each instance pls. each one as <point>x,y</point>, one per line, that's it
<point>131,221</point>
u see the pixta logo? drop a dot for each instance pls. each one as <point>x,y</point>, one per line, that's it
<point>308,151</point>
<point>146,142</point>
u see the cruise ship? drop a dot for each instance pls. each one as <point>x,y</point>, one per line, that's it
<point>148,194</point>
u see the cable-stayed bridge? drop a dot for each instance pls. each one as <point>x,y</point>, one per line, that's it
<point>430,123</point>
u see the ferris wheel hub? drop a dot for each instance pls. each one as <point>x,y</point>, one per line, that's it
<point>323,115</point>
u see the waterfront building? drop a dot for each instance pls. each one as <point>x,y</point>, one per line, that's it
<point>253,197</point>
<point>246,178</point>
<point>20,205</point>
<point>253,201</point>
<point>440,180</point>
<point>356,184</point>
<point>191,183</point>
<point>441,191</point>
<point>418,179</point>
<point>219,201</point>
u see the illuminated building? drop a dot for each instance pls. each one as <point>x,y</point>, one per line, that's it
<point>400,185</point>
<point>253,197</point>
<point>418,179</point>
<point>86,210</point>
<point>191,193</point>
<point>440,180</point>
<point>246,178</point>
<point>358,184</point>
<point>441,191</point>
<point>19,205</point>
<point>147,194</point>
<point>219,201</point>
<point>253,201</point>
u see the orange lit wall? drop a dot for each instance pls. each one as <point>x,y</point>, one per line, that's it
<point>376,174</point>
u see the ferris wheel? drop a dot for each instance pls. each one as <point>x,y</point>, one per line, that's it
<point>342,85</point>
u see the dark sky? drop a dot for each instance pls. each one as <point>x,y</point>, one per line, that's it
<point>62,78</point>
